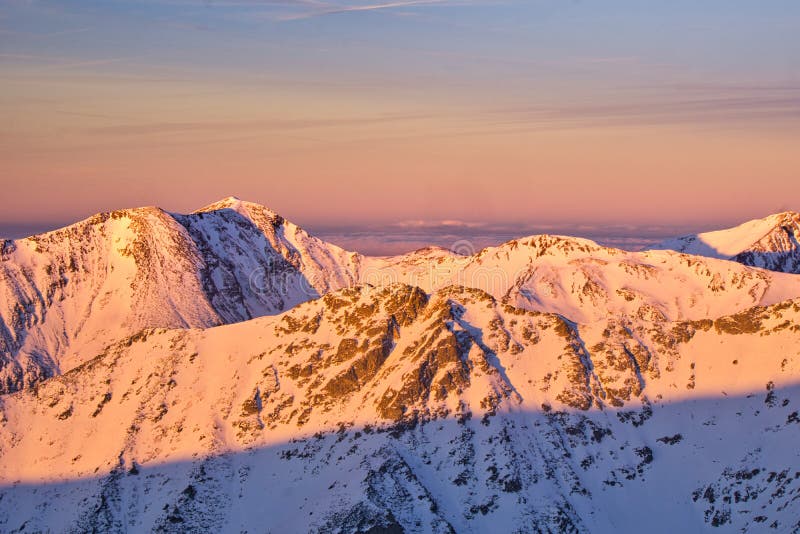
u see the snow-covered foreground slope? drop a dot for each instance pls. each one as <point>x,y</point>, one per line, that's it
<point>389,408</point>
<point>772,243</point>
<point>66,294</point>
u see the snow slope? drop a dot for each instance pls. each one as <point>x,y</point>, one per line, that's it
<point>391,408</point>
<point>584,281</point>
<point>66,294</point>
<point>772,243</point>
<point>225,371</point>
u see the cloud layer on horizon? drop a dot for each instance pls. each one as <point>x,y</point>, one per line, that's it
<point>465,237</point>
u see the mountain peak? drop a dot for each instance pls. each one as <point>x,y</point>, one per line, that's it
<point>232,199</point>
<point>787,216</point>
<point>229,202</point>
<point>236,204</point>
<point>553,244</point>
<point>770,242</point>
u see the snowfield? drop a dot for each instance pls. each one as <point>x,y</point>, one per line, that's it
<point>225,371</point>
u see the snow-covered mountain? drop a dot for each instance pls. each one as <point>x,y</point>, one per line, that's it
<point>225,371</point>
<point>584,281</point>
<point>66,294</point>
<point>772,243</point>
<point>392,409</point>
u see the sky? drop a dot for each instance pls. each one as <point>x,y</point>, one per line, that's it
<point>387,123</point>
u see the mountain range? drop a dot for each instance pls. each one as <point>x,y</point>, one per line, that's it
<point>225,371</point>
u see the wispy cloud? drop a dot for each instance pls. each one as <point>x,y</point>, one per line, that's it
<point>323,9</point>
<point>269,124</point>
<point>43,35</point>
<point>288,10</point>
<point>675,106</point>
<point>47,63</point>
<point>448,224</point>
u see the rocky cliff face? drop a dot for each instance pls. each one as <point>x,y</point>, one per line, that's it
<point>390,408</point>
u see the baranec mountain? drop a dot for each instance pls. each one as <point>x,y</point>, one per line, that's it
<point>66,294</point>
<point>225,371</point>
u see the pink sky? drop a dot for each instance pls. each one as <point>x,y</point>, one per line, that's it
<point>481,114</point>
